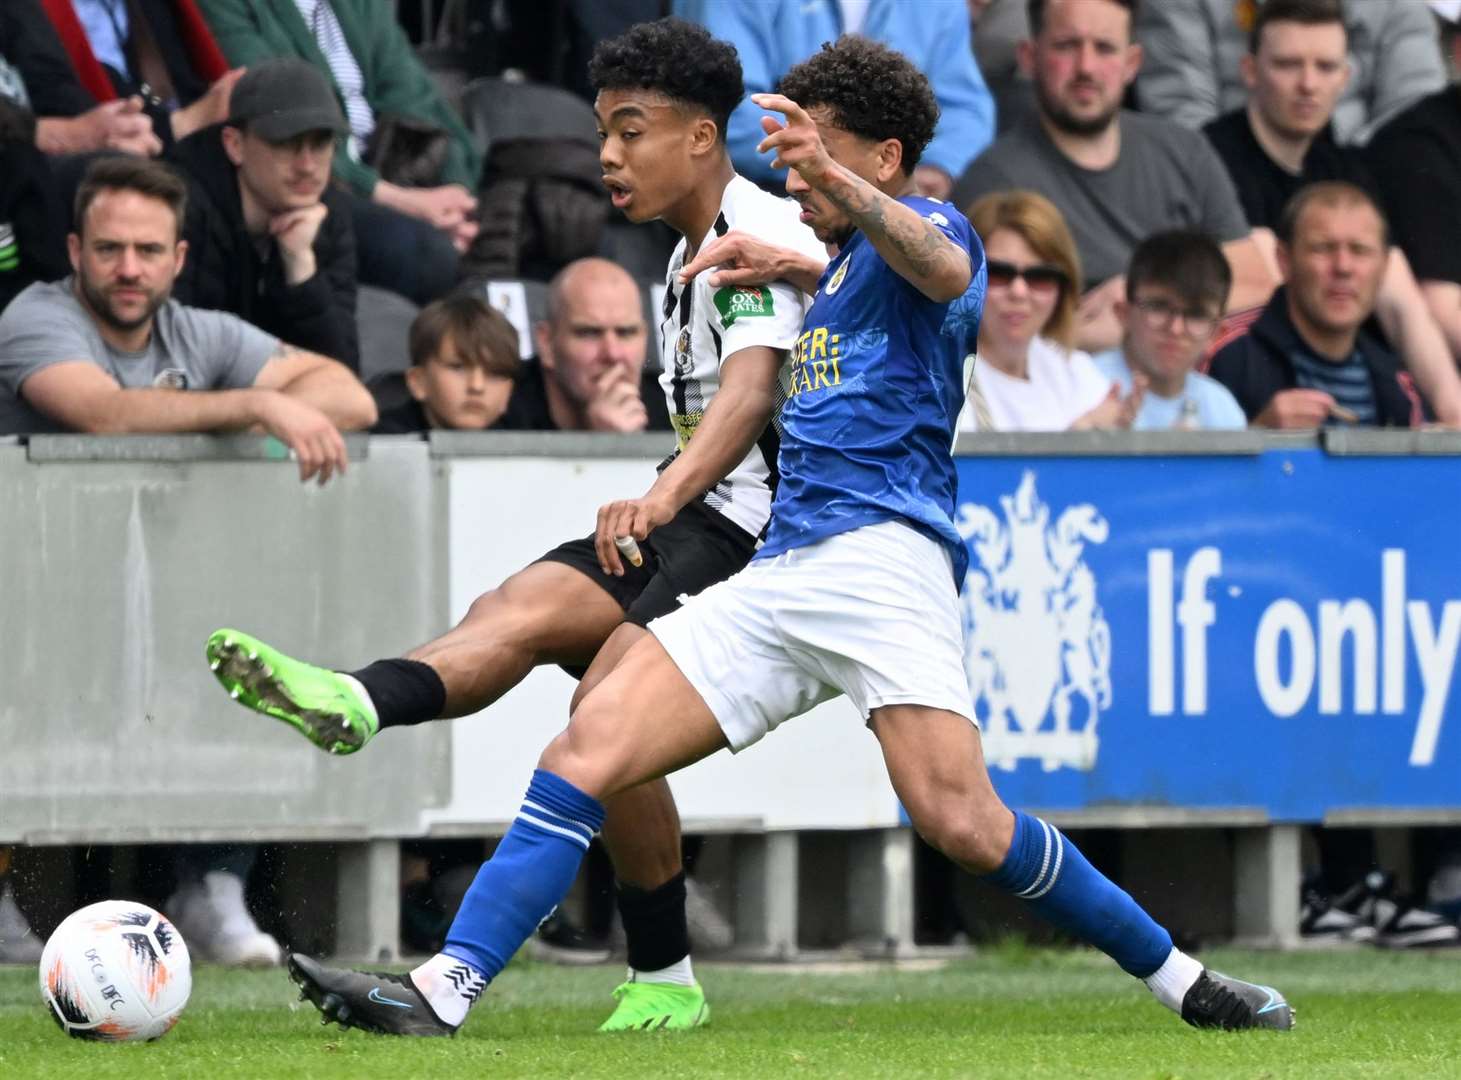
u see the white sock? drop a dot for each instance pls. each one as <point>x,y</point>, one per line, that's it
<point>359,688</point>
<point>1174,978</point>
<point>449,986</point>
<point>677,974</point>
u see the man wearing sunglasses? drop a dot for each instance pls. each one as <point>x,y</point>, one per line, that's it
<point>1176,287</point>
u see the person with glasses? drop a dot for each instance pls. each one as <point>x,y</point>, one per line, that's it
<point>1026,375</point>
<point>1176,288</point>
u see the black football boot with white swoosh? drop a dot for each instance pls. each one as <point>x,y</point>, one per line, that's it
<point>372,1001</point>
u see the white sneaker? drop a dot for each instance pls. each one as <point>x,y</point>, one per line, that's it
<point>18,942</point>
<point>217,926</point>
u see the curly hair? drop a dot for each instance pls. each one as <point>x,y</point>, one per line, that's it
<point>676,58</point>
<point>873,91</point>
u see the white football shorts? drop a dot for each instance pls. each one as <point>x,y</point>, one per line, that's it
<point>871,613</point>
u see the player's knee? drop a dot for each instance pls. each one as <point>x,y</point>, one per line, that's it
<point>967,833</point>
<point>577,755</point>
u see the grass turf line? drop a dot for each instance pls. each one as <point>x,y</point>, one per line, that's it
<point>1005,1013</point>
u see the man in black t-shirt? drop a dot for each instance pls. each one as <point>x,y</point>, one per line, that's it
<point>1416,159</point>
<point>1296,68</point>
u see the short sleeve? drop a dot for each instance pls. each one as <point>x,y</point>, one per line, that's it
<point>745,316</point>
<point>1223,411</point>
<point>224,351</point>
<point>35,333</point>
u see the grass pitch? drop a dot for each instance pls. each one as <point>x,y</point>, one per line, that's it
<point>1006,1012</point>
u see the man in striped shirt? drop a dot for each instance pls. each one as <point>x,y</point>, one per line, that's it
<point>1307,362</point>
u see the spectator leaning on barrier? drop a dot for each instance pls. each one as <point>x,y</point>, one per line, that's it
<point>464,364</point>
<point>1026,376</point>
<point>1116,176</point>
<point>108,350</point>
<point>1176,288</point>
<point>407,156</point>
<point>1306,362</point>
<point>589,373</point>
<point>268,238</point>
<point>1417,162</point>
<point>1193,50</point>
<point>773,35</point>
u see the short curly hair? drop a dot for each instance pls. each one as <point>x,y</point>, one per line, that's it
<point>676,58</point>
<point>873,91</point>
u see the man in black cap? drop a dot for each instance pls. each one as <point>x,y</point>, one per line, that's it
<point>268,238</point>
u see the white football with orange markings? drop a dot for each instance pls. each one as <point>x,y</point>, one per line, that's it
<point>116,971</point>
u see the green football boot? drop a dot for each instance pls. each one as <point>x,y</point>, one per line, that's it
<point>657,1007</point>
<point>319,703</point>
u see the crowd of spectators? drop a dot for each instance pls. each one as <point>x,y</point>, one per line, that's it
<point>1198,214</point>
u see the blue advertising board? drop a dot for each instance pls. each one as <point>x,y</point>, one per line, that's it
<point>1276,631</point>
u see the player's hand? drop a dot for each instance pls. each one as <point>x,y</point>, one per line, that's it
<point>312,439</point>
<point>295,232</point>
<point>738,259</point>
<point>797,143</point>
<point>627,517</point>
<point>1296,409</point>
<point>616,405</point>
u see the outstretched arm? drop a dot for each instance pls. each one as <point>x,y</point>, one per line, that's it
<point>739,258</point>
<point>737,416</point>
<point>914,247</point>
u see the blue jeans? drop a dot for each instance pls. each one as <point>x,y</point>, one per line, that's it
<point>401,253</point>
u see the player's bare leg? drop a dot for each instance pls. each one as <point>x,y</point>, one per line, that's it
<point>936,764</point>
<point>641,834</point>
<point>546,613</point>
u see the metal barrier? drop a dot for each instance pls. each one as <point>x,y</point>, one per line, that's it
<point>121,554</point>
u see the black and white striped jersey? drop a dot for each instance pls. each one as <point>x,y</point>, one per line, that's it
<point>702,325</point>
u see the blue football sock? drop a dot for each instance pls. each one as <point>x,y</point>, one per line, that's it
<point>1046,869</point>
<point>527,876</point>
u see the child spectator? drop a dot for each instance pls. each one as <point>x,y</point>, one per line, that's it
<point>1176,288</point>
<point>464,364</point>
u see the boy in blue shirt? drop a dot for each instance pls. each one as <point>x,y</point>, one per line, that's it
<point>855,591</point>
<point>1176,289</point>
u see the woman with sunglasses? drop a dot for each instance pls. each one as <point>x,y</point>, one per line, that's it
<point>1027,376</point>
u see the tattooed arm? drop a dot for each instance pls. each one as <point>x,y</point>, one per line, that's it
<point>913,246</point>
<point>325,384</point>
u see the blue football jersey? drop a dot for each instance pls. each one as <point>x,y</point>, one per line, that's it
<point>876,385</point>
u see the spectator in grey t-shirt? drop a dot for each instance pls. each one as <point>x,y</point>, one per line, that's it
<point>1117,177</point>
<point>107,350</point>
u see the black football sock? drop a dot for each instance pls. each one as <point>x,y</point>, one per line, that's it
<point>654,924</point>
<point>403,691</point>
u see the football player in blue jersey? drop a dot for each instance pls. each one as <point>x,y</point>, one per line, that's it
<point>665,92</point>
<point>854,592</point>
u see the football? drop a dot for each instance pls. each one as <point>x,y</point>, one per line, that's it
<point>116,971</point>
